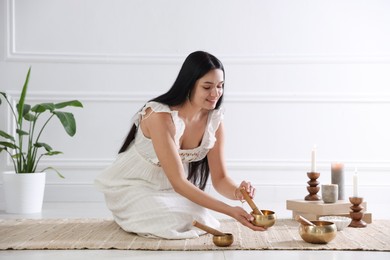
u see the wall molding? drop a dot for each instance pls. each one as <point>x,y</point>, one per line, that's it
<point>86,192</point>
<point>132,58</point>
<point>94,164</point>
<point>14,55</point>
<point>229,97</point>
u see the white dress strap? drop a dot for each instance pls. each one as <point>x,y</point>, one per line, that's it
<point>162,108</point>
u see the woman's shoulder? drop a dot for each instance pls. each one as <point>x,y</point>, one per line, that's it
<point>217,114</point>
<point>163,116</point>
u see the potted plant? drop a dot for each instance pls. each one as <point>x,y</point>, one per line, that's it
<point>24,187</point>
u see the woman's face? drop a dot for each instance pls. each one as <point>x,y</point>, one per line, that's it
<point>208,89</point>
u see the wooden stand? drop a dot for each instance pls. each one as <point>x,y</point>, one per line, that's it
<point>313,210</point>
<point>313,188</point>
<point>356,213</point>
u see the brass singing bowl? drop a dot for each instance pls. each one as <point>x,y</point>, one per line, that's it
<point>225,240</point>
<point>322,233</point>
<point>266,220</point>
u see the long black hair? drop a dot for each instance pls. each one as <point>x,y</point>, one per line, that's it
<point>195,66</point>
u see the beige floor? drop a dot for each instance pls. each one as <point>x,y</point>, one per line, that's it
<point>98,210</point>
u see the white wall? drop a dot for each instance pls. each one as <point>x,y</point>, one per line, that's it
<point>298,73</point>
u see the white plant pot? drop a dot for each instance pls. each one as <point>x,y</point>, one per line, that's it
<point>24,192</point>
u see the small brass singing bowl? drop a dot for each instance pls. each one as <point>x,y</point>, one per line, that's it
<point>225,240</point>
<point>322,233</point>
<point>266,220</point>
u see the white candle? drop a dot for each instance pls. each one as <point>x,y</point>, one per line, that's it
<point>313,159</point>
<point>355,184</point>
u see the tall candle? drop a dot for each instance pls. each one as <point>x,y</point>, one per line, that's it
<point>313,159</point>
<point>338,178</point>
<point>355,184</point>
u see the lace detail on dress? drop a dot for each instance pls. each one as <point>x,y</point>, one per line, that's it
<point>189,156</point>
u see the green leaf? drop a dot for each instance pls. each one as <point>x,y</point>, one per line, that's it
<point>67,121</point>
<point>7,136</point>
<point>21,132</point>
<point>22,98</point>
<point>46,146</point>
<point>40,108</point>
<point>51,153</point>
<point>73,103</point>
<point>26,109</point>
<point>30,117</point>
<point>17,155</point>
<point>4,95</point>
<point>51,168</point>
<point>8,144</point>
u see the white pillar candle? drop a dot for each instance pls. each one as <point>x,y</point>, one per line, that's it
<point>355,184</point>
<point>313,160</point>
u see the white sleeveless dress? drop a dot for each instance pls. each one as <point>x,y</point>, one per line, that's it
<point>138,192</point>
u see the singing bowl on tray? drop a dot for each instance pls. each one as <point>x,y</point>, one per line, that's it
<point>322,233</point>
<point>266,220</point>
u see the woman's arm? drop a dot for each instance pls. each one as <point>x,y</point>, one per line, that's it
<point>161,129</point>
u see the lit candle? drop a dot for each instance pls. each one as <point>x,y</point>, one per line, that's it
<point>313,159</point>
<point>355,184</point>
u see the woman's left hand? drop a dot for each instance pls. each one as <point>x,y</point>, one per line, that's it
<point>248,187</point>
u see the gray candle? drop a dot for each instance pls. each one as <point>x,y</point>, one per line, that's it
<point>329,193</point>
<point>338,178</point>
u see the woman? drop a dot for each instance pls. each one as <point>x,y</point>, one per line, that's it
<point>156,186</point>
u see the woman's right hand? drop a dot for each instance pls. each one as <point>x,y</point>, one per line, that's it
<point>244,218</point>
